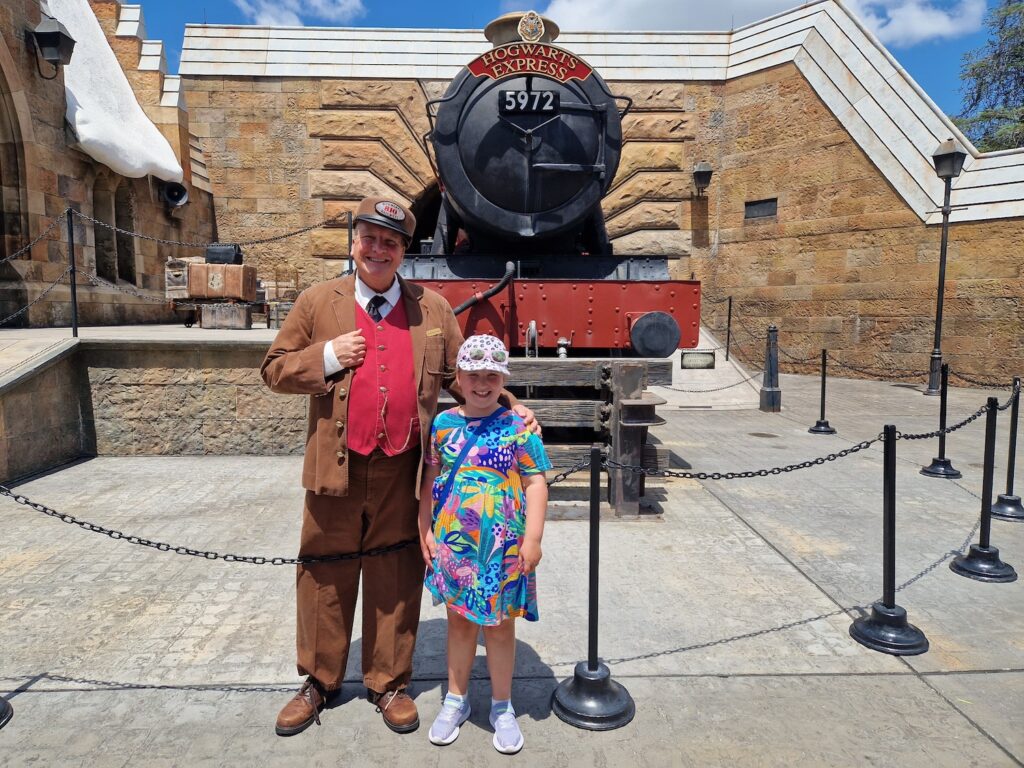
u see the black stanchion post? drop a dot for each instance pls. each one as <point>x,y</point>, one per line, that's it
<point>74,282</point>
<point>6,712</point>
<point>590,699</point>
<point>1008,506</point>
<point>886,629</point>
<point>822,427</point>
<point>941,466</point>
<point>771,395</point>
<point>982,561</point>
<point>728,330</point>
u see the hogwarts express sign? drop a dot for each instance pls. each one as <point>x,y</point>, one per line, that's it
<point>530,59</point>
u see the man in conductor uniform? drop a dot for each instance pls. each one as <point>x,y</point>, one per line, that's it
<point>373,352</point>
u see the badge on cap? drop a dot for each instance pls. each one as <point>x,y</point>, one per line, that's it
<point>391,210</point>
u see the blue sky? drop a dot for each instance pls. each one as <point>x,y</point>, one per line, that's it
<point>927,37</point>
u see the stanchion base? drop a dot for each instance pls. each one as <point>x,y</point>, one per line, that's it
<point>1008,508</point>
<point>983,564</point>
<point>822,427</point>
<point>886,630</point>
<point>6,712</point>
<point>941,467</point>
<point>590,699</point>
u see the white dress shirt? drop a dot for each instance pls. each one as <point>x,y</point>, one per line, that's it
<point>363,295</point>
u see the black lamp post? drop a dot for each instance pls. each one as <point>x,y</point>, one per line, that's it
<point>949,159</point>
<point>53,43</point>
<point>702,176</point>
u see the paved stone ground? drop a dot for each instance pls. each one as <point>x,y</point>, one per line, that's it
<point>115,655</point>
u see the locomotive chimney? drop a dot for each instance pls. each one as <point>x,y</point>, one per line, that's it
<point>521,26</point>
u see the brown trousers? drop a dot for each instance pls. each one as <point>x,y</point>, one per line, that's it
<point>380,509</point>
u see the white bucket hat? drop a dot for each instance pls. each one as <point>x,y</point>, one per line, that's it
<point>483,353</point>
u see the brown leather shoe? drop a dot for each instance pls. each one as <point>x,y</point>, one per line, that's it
<point>398,709</point>
<point>303,710</point>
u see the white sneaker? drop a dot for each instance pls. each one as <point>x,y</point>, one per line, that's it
<point>508,739</point>
<point>446,725</point>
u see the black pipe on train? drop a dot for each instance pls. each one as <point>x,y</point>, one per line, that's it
<point>510,271</point>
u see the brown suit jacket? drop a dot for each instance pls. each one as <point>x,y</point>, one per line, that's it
<point>294,365</point>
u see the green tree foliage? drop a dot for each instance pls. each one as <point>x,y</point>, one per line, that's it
<point>993,82</point>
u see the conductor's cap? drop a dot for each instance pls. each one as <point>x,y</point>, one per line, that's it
<point>385,212</point>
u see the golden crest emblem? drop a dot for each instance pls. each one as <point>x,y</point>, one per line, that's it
<point>531,27</point>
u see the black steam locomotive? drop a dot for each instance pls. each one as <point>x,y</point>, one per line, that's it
<point>526,142</point>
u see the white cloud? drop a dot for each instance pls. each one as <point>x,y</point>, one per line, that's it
<point>296,13</point>
<point>896,22</point>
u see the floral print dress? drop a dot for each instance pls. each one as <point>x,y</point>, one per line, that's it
<point>479,529</point>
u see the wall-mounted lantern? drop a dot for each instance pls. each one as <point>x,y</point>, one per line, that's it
<point>52,43</point>
<point>702,176</point>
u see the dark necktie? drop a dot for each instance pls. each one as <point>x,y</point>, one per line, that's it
<point>373,307</point>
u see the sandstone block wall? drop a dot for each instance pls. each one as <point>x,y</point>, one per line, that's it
<point>844,264</point>
<point>183,400</point>
<point>144,399</point>
<point>43,420</point>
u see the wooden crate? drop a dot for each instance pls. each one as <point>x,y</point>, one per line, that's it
<point>222,281</point>
<point>234,317</point>
<point>277,311</point>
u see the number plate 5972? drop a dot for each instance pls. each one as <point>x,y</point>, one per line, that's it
<point>528,102</point>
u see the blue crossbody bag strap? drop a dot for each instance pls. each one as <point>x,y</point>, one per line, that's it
<point>470,442</point>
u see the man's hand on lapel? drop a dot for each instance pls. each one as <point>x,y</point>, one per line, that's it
<point>349,348</point>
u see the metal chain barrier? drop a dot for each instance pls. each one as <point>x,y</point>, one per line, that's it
<point>936,433</point>
<point>717,389</point>
<point>205,554</point>
<point>37,299</point>
<point>799,622</point>
<point>978,382</point>
<point>612,464</point>
<point>907,372</point>
<point>1014,394</point>
<point>229,558</point>
<point>38,240</point>
<point>188,244</point>
<point>579,466</point>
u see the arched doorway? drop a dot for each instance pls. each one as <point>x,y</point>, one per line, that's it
<point>13,224</point>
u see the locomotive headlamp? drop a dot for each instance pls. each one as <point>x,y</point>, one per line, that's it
<point>52,42</point>
<point>702,176</point>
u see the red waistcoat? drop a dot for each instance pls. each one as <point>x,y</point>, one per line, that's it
<point>382,395</point>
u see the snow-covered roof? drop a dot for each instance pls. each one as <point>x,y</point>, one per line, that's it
<point>886,112</point>
<point>101,106</point>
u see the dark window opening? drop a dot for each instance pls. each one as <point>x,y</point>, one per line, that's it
<point>761,209</point>
<point>124,218</point>
<point>106,250</point>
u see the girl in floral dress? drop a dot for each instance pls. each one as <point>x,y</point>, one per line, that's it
<point>483,502</point>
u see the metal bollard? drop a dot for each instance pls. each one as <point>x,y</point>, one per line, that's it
<point>886,629</point>
<point>590,699</point>
<point>822,427</point>
<point>1008,506</point>
<point>74,281</point>
<point>982,561</point>
<point>941,466</point>
<point>771,395</point>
